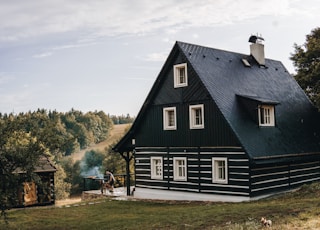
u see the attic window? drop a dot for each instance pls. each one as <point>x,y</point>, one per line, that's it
<point>180,75</point>
<point>266,115</point>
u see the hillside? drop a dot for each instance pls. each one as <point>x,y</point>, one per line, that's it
<point>115,134</point>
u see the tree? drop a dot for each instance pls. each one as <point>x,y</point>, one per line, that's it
<point>306,59</point>
<point>61,187</point>
<point>73,174</point>
<point>26,136</point>
<point>122,119</point>
<point>19,152</point>
<point>92,159</point>
<point>115,163</point>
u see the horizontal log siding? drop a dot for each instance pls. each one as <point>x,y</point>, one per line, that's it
<point>304,173</point>
<point>267,179</point>
<point>238,174</point>
<point>199,171</point>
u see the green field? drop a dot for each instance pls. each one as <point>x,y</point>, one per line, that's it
<point>294,210</point>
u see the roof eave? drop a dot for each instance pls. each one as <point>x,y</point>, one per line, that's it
<point>125,143</point>
<point>294,157</point>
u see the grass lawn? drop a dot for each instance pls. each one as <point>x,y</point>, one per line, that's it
<point>295,210</point>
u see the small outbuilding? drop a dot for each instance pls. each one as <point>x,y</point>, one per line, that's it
<point>39,192</point>
<point>221,125</point>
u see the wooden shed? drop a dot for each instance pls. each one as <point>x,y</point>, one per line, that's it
<point>220,125</point>
<point>38,192</point>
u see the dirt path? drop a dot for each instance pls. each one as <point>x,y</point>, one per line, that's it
<point>115,134</point>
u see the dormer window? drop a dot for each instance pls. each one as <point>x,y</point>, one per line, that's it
<point>261,110</point>
<point>266,115</point>
<point>180,74</point>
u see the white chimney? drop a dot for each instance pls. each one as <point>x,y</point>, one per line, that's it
<point>257,49</point>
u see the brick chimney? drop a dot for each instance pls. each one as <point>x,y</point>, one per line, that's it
<point>257,49</point>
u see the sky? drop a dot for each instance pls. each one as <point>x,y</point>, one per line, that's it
<point>105,55</point>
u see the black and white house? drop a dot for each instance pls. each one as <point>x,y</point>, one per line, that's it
<point>220,125</point>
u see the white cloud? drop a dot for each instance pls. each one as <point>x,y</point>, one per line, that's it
<point>6,77</point>
<point>195,36</point>
<point>168,40</point>
<point>82,43</point>
<point>78,44</point>
<point>158,57</point>
<point>109,18</point>
<point>42,55</point>
<point>139,78</point>
<point>16,101</point>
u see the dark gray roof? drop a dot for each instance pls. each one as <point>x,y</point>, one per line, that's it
<point>226,78</point>
<point>259,99</point>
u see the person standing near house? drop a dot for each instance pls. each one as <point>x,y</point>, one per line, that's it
<point>101,185</point>
<point>109,180</point>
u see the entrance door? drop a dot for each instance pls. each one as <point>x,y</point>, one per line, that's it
<point>30,193</point>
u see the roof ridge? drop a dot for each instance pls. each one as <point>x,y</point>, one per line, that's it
<point>224,50</point>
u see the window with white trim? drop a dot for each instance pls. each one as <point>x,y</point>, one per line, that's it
<point>180,168</point>
<point>220,170</point>
<point>266,115</point>
<point>180,75</point>
<point>196,116</point>
<point>169,118</point>
<point>156,168</point>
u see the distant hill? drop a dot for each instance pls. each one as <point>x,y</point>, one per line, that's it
<point>115,134</point>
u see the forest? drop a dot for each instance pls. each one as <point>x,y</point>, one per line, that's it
<point>24,137</point>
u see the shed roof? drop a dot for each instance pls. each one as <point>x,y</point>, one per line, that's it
<point>44,165</point>
<point>259,99</point>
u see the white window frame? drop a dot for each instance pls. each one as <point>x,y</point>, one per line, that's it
<point>268,118</point>
<point>156,165</point>
<point>219,176</point>
<point>180,170</point>
<point>177,77</point>
<point>166,118</point>
<point>193,116</point>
